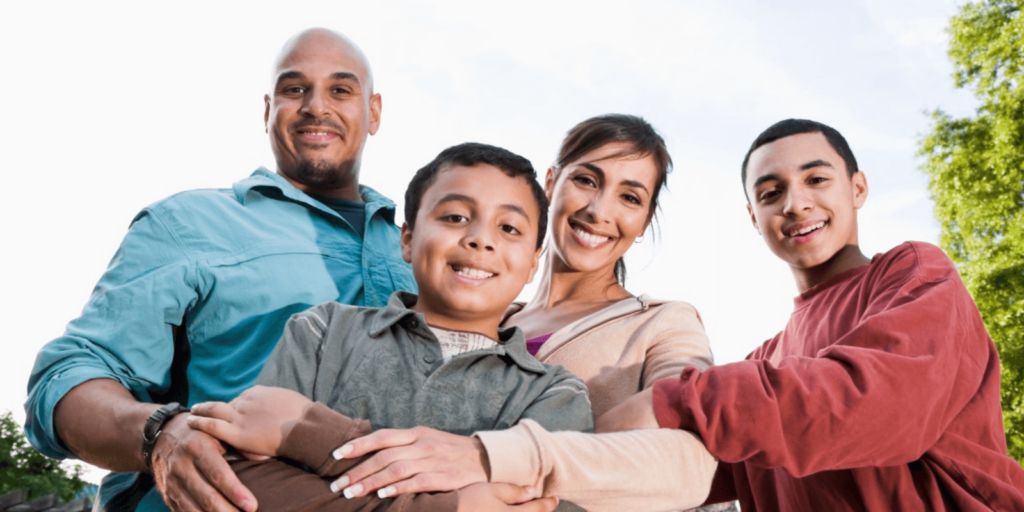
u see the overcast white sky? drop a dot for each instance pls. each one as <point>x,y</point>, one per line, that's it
<point>110,107</point>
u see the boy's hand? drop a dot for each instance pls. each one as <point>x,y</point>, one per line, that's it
<point>503,497</point>
<point>255,423</point>
<point>635,413</point>
<point>419,459</point>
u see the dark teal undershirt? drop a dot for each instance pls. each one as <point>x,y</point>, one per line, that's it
<point>354,213</point>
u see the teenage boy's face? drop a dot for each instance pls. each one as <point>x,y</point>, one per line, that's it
<point>802,201</point>
<point>474,246</point>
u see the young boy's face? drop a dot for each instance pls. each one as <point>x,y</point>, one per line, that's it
<point>802,201</point>
<point>474,246</point>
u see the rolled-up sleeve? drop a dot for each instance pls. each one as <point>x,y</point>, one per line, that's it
<point>125,332</point>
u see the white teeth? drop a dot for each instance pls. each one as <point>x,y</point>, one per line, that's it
<point>588,239</point>
<point>808,229</point>
<point>316,133</point>
<point>472,273</point>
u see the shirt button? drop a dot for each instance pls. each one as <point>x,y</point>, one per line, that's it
<point>428,359</point>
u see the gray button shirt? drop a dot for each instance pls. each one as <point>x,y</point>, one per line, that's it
<point>385,365</point>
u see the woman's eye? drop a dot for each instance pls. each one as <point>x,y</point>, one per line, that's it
<point>629,198</point>
<point>585,180</point>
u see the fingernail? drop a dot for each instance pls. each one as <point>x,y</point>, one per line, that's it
<point>386,492</point>
<point>339,484</point>
<point>340,453</point>
<point>350,492</point>
<point>248,506</point>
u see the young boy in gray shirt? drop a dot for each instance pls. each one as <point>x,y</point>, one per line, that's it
<point>475,219</point>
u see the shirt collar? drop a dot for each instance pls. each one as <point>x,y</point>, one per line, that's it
<point>511,340</point>
<point>264,179</point>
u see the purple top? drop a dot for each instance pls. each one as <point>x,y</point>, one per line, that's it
<point>533,345</point>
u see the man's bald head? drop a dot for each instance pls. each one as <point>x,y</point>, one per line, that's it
<point>320,110</point>
<point>322,40</point>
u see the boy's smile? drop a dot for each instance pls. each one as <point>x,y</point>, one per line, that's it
<point>474,247</point>
<point>804,204</point>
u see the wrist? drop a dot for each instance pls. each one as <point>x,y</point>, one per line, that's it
<point>154,427</point>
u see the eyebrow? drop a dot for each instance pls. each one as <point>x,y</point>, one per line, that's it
<point>809,165</point>
<point>340,75</point>
<point>462,198</point>
<point>631,183</point>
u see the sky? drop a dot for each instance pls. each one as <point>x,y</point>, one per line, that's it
<point>109,107</point>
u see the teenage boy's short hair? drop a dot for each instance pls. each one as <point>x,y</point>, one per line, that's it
<point>787,127</point>
<point>469,154</point>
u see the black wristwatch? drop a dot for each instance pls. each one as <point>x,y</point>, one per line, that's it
<point>155,426</point>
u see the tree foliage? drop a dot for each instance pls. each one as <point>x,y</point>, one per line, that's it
<point>975,167</point>
<point>22,467</point>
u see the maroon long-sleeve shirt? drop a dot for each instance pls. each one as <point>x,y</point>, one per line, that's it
<point>882,393</point>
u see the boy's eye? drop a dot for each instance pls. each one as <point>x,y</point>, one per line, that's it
<point>455,218</point>
<point>817,180</point>
<point>510,229</point>
<point>768,195</point>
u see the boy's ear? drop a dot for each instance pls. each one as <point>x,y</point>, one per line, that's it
<point>549,183</point>
<point>406,241</point>
<point>753,219</point>
<point>536,264</point>
<point>859,188</point>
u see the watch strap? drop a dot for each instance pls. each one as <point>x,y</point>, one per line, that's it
<point>155,426</point>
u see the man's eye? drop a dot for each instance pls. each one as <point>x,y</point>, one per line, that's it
<point>340,90</point>
<point>294,89</point>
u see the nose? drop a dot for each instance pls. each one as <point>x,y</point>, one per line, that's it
<point>479,238</point>
<point>313,104</point>
<point>596,209</point>
<point>797,200</point>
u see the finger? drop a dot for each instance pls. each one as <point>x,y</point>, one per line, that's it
<point>224,482</point>
<point>377,441</point>
<point>219,410</point>
<point>217,428</point>
<point>539,505</point>
<point>391,474</point>
<point>511,494</point>
<point>421,482</point>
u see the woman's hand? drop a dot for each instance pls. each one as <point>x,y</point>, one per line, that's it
<point>636,413</point>
<point>503,497</point>
<point>255,423</point>
<point>419,459</point>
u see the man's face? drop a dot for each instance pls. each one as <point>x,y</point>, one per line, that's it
<point>474,246</point>
<point>319,113</point>
<point>802,201</point>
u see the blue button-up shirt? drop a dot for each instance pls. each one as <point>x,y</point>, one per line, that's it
<point>226,268</point>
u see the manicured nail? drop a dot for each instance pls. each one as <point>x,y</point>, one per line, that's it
<point>386,492</point>
<point>340,453</point>
<point>339,484</point>
<point>351,492</point>
<point>248,506</point>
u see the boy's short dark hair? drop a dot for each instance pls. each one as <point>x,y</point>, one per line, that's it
<point>787,127</point>
<point>469,154</point>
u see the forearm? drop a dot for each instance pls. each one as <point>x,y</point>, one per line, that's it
<point>636,470</point>
<point>320,430</point>
<point>101,423</point>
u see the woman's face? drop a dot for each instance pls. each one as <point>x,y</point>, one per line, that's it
<point>599,206</point>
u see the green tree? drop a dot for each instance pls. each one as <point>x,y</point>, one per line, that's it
<point>975,167</point>
<point>22,467</point>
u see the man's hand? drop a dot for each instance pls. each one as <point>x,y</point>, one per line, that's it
<point>255,423</point>
<point>503,497</point>
<point>191,473</point>
<point>420,459</point>
<point>635,413</point>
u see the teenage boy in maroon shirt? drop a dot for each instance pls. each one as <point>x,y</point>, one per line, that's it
<point>882,392</point>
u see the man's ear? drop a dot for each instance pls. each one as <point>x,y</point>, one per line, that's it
<point>753,218</point>
<point>375,106</point>
<point>406,242</point>
<point>549,183</point>
<point>536,264</point>
<point>266,113</point>
<point>859,186</point>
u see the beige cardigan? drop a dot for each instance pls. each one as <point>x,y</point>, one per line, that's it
<point>618,352</point>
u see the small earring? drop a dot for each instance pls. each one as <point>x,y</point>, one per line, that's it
<point>638,239</point>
